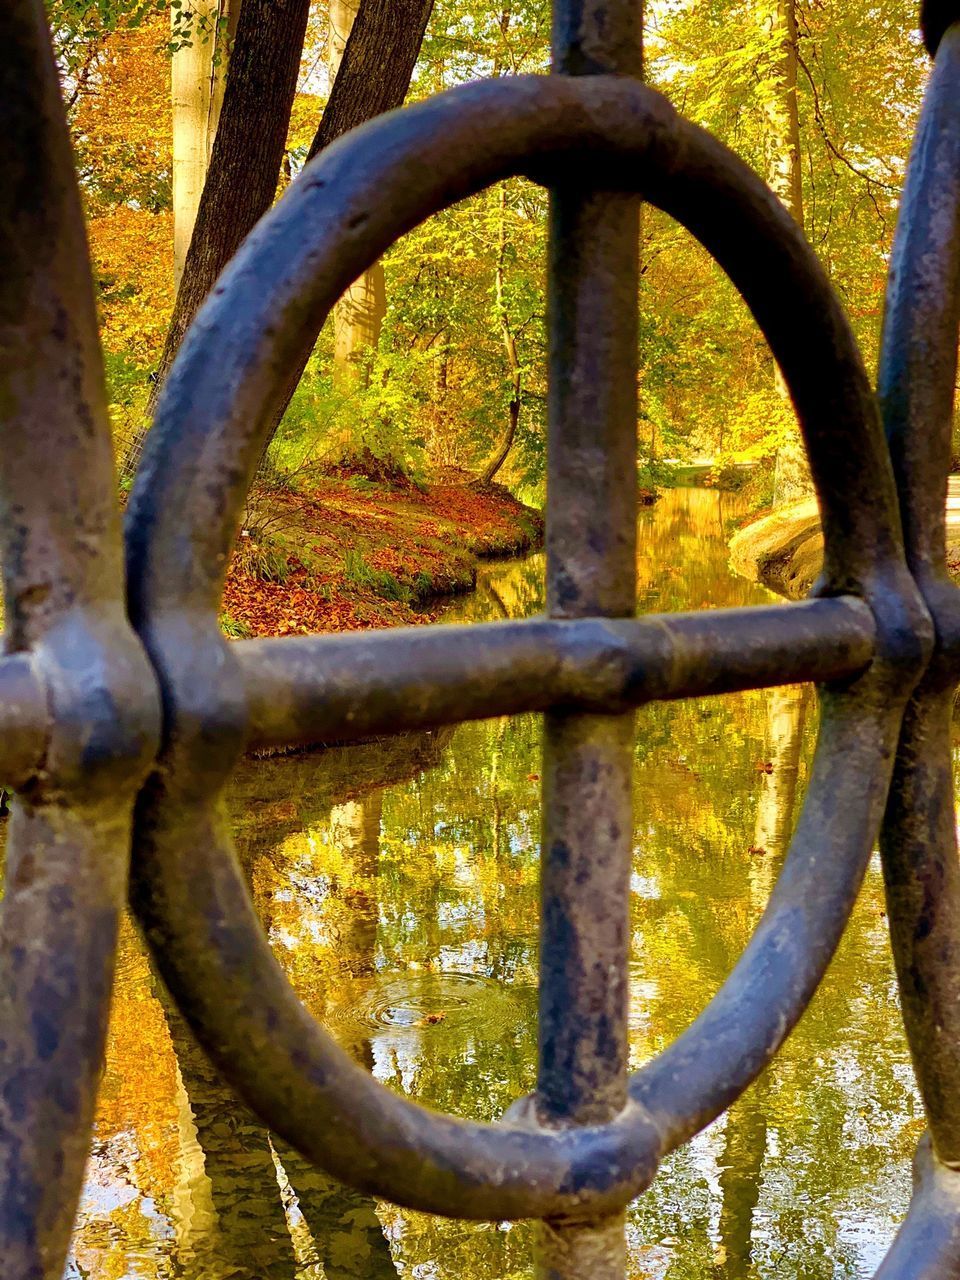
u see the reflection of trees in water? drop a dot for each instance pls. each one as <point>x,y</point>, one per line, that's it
<point>496,599</point>
<point>724,888</point>
<point>252,1206</point>
<point>741,1164</point>
<point>682,557</point>
<point>681,563</point>
<point>745,1126</point>
<point>786,715</point>
<point>340,804</point>
<point>355,831</point>
<point>474,822</point>
<point>284,794</point>
<point>248,1204</point>
<point>507,589</point>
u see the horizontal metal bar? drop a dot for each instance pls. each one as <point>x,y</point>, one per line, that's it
<point>341,688</point>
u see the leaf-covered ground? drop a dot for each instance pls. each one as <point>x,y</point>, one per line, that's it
<point>348,554</point>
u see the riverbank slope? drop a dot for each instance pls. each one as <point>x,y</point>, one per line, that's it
<point>783,550</point>
<point>346,553</point>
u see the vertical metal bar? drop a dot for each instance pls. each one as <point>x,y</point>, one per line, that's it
<point>591,570</point>
<point>69,841</point>
<point>917,378</point>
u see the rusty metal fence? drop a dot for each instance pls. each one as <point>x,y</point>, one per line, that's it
<point>123,710</point>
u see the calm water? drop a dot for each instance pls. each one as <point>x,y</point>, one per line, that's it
<point>398,885</point>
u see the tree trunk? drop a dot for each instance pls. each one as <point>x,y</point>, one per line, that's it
<point>245,162</point>
<point>358,316</point>
<point>247,151</point>
<point>197,76</point>
<point>786,716</point>
<point>741,1173</point>
<point>510,349</point>
<point>375,69</point>
<point>791,473</point>
<point>355,832</point>
<point>373,76</point>
<point>782,110</point>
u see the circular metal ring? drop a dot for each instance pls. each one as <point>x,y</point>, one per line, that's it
<point>342,214</point>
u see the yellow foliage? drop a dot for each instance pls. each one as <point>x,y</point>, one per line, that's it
<point>304,118</point>
<point>121,125</point>
<point>132,253</point>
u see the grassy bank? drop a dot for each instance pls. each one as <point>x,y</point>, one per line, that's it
<point>348,553</point>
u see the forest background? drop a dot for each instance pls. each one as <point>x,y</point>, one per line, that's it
<point>434,367</point>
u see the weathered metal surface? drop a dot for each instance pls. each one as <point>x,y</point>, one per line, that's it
<point>77,669</point>
<point>927,1246</point>
<point>918,841</point>
<point>591,535</point>
<point>79,695</point>
<point>340,688</point>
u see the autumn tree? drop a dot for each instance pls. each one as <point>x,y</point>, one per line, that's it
<point>77,28</point>
<point>358,316</point>
<point>245,161</point>
<point>442,384</point>
<point>778,19</point>
<point>373,75</point>
<point>376,66</point>
<point>829,128</point>
<point>515,403</point>
<point>822,104</point>
<point>464,325</point>
<point>119,95</point>
<point>505,443</point>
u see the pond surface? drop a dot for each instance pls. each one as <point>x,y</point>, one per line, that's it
<point>398,885</point>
